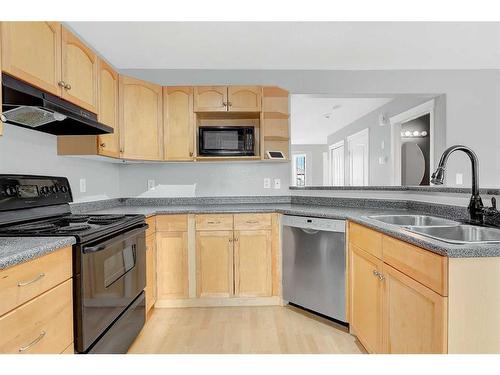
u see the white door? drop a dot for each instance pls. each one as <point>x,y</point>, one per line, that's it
<point>337,164</point>
<point>358,158</point>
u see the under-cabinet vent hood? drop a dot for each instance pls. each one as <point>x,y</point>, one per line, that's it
<point>30,107</point>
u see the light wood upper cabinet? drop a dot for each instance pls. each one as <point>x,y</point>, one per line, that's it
<point>414,316</point>
<point>79,72</point>
<point>210,99</point>
<point>150,289</point>
<point>365,298</point>
<point>141,119</point>
<point>214,264</point>
<point>172,265</point>
<point>109,144</point>
<point>252,263</point>
<point>244,98</point>
<point>178,123</point>
<point>32,53</point>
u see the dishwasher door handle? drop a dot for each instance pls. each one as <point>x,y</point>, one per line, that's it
<point>309,231</point>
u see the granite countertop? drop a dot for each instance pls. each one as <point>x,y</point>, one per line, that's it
<point>15,250</point>
<point>358,215</point>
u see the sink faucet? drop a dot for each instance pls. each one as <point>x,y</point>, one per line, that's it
<point>476,208</point>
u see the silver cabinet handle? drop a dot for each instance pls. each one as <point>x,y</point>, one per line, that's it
<point>229,104</point>
<point>213,222</point>
<point>67,86</point>
<point>224,104</point>
<point>24,283</point>
<point>34,342</point>
<point>252,222</point>
<point>103,145</point>
<point>61,84</point>
<point>381,277</point>
<point>376,273</point>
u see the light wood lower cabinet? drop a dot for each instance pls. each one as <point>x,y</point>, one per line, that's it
<point>151,282</point>
<point>366,298</point>
<point>214,264</point>
<point>414,316</point>
<point>42,325</point>
<point>390,311</point>
<point>252,263</point>
<point>172,269</point>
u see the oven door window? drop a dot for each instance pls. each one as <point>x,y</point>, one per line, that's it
<point>118,264</point>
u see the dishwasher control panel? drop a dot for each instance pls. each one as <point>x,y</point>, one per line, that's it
<point>314,223</point>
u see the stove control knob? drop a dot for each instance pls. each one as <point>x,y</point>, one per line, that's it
<point>63,189</point>
<point>45,190</point>
<point>10,191</point>
<point>53,189</point>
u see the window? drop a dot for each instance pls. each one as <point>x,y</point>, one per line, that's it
<point>299,170</point>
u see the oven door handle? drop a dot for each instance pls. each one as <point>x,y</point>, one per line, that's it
<point>101,246</point>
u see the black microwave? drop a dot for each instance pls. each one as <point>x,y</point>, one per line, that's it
<point>226,141</point>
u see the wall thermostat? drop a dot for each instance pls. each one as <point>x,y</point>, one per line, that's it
<point>275,155</point>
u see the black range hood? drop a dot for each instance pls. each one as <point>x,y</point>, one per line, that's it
<point>27,106</point>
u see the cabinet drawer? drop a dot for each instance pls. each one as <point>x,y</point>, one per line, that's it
<point>421,265</point>
<point>366,239</point>
<point>151,221</point>
<point>20,283</point>
<point>171,223</point>
<point>252,221</point>
<point>43,325</point>
<point>214,222</point>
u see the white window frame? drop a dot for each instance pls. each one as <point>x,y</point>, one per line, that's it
<point>295,168</point>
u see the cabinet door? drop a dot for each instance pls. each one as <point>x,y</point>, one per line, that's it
<point>150,271</point>
<point>178,123</point>
<point>214,264</point>
<point>172,265</point>
<point>32,53</point>
<point>244,98</point>
<point>141,119</point>
<point>366,298</point>
<point>210,99</point>
<point>252,263</point>
<point>79,72</point>
<point>109,144</point>
<point>414,316</point>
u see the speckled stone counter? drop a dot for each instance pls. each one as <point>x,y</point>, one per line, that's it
<point>356,214</point>
<point>16,250</point>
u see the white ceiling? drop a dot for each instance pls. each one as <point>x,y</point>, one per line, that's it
<point>307,115</point>
<point>295,45</point>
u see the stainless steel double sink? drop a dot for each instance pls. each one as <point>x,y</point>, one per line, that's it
<point>442,229</point>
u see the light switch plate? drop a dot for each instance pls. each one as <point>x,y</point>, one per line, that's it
<point>277,183</point>
<point>151,184</point>
<point>459,179</point>
<point>267,183</point>
<point>83,185</point>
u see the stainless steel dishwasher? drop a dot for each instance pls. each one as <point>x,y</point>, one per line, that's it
<point>314,261</point>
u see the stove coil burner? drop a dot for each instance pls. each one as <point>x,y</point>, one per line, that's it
<point>74,228</point>
<point>76,218</point>
<point>105,219</point>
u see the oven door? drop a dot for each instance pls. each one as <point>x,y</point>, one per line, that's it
<point>112,273</point>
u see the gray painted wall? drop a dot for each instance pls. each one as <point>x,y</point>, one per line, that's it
<point>24,151</point>
<point>472,97</point>
<point>381,174</point>
<point>314,162</point>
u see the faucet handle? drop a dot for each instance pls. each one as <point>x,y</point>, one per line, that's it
<point>493,203</point>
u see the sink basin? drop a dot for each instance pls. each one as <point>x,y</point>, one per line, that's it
<point>414,220</point>
<point>460,234</point>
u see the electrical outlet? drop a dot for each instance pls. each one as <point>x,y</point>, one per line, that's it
<point>267,183</point>
<point>277,183</point>
<point>151,184</point>
<point>83,185</point>
<point>459,179</point>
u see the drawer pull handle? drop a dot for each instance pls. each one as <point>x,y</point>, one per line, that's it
<point>34,342</point>
<point>24,283</point>
<point>213,222</point>
<point>252,222</point>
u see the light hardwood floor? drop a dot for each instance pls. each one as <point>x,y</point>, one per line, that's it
<point>242,330</point>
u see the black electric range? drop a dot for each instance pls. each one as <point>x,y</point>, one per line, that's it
<point>109,266</point>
